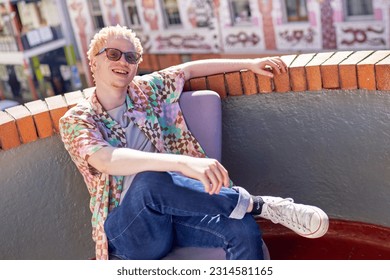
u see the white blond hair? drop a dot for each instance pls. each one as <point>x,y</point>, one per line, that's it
<point>100,39</point>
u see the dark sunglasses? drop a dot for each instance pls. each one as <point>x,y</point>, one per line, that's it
<point>115,54</point>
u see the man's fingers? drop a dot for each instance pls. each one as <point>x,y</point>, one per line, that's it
<point>275,63</point>
<point>213,180</point>
<point>211,174</point>
<point>206,184</point>
<point>225,175</point>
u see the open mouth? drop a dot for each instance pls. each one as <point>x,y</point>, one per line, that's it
<point>119,71</point>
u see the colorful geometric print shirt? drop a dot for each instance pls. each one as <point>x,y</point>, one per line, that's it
<point>86,128</point>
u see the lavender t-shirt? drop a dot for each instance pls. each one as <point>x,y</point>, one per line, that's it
<point>135,138</point>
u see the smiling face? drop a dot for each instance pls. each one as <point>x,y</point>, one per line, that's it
<point>118,37</point>
<point>114,74</point>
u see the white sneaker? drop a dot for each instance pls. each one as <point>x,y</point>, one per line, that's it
<point>307,221</point>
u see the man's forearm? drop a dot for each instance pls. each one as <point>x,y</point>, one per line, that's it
<point>213,66</point>
<point>125,161</point>
<point>208,67</point>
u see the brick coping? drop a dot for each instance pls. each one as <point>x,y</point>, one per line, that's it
<point>346,70</point>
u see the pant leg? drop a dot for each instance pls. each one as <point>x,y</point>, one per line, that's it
<point>141,227</point>
<point>241,239</point>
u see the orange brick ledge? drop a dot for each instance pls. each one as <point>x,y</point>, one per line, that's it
<point>348,70</point>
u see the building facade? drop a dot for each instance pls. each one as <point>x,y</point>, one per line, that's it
<point>37,57</point>
<point>186,29</point>
<point>181,30</point>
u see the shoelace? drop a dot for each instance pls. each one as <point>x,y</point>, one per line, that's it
<point>285,210</point>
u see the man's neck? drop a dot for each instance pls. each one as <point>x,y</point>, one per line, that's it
<point>111,98</point>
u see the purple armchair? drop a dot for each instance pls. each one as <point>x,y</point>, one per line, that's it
<point>203,115</point>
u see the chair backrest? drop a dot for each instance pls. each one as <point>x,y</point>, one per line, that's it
<point>203,115</point>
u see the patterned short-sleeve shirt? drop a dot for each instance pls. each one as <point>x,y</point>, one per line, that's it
<point>152,104</point>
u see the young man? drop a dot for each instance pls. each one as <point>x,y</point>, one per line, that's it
<point>151,185</point>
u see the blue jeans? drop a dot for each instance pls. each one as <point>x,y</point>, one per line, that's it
<point>161,210</point>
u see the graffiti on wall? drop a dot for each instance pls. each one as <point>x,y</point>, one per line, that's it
<point>200,13</point>
<point>145,41</point>
<point>362,35</point>
<point>112,14</point>
<point>298,36</point>
<point>369,35</point>
<point>195,28</point>
<point>242,39</point>
<point>82,25</point>
<point>182,42</point>
<point>237,38</point>
<point>150,14</point>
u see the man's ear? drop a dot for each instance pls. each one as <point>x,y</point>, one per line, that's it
<point>93,65</point>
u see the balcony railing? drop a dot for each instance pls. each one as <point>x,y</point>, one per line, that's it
<point>40,36</point>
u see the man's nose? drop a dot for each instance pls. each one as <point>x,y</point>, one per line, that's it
<point>122,58</point>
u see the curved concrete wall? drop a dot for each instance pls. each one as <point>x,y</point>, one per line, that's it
<point>330,149</point>
<point>43,204</point>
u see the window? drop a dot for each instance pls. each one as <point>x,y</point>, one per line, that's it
<point>200,13</point>
<point>96,12</point>
<point>171,13</point>
<point>358,9</point>
<point>296,10</point>
<point>30,15</point>
<point>131,13</point>
<point>240,12</point>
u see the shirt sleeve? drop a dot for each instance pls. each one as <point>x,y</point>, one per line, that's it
<point>81,136</point>
<point>168,84</point>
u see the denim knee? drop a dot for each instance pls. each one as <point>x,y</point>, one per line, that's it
<point>145,184</point>
<point>150,180</point>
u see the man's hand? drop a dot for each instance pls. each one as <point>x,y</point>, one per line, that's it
<point>260,66</point>
<point>209,171</point>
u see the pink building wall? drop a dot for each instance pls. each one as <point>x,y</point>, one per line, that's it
<point>267,31</point>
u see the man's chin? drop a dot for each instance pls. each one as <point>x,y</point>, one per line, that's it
<point>120,85</point>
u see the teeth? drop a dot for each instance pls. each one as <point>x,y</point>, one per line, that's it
<point>120,71</point>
